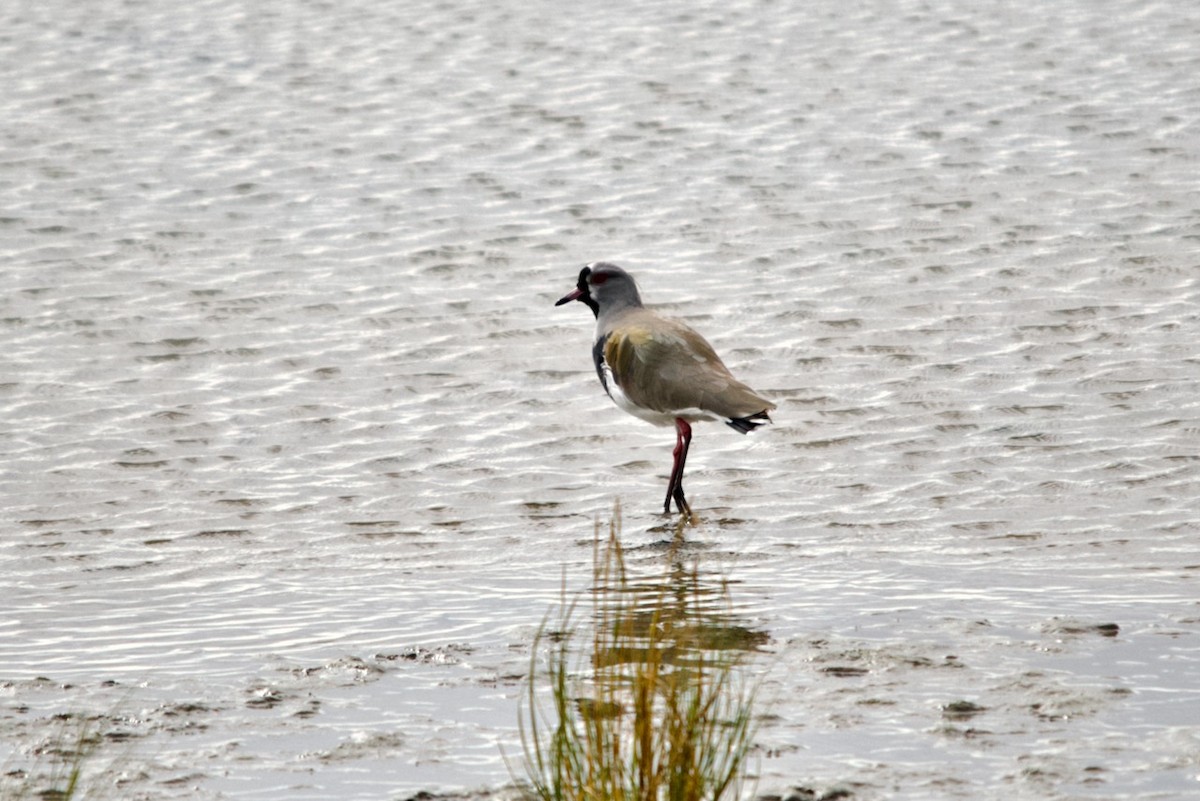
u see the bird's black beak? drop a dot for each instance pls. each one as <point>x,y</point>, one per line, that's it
<point>574,294</point>
<point>581,293</point>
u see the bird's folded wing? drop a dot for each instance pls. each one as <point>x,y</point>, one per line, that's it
<point>668,367</point>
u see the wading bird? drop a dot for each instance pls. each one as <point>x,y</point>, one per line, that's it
<point>659,369</point>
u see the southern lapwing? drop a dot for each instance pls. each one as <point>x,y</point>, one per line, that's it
<point>659,369</point>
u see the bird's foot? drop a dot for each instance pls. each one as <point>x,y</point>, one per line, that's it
<point>682,506</point>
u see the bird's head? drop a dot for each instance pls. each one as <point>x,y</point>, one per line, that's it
<point>603,286</point>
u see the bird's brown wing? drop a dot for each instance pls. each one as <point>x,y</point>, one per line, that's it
<point>664,365</point>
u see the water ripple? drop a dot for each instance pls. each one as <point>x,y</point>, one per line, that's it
<point>286,397</point>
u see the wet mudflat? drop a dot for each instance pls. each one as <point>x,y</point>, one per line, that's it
<point>297,454</point>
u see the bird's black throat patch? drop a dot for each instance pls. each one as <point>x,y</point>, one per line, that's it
<point>598,360</point>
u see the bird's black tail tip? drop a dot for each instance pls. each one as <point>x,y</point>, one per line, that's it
<point>750,422</point>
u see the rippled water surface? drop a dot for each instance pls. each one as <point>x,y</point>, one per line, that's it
<point>297,453</point>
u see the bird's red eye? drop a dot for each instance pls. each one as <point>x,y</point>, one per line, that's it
<point>598,278</point>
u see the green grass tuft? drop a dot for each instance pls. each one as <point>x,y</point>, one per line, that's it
<point>656,709</point>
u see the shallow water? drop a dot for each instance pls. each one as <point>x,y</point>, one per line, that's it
<point>298,454</point>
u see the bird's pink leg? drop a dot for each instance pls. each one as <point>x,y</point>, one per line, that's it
<point>683,439</point>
